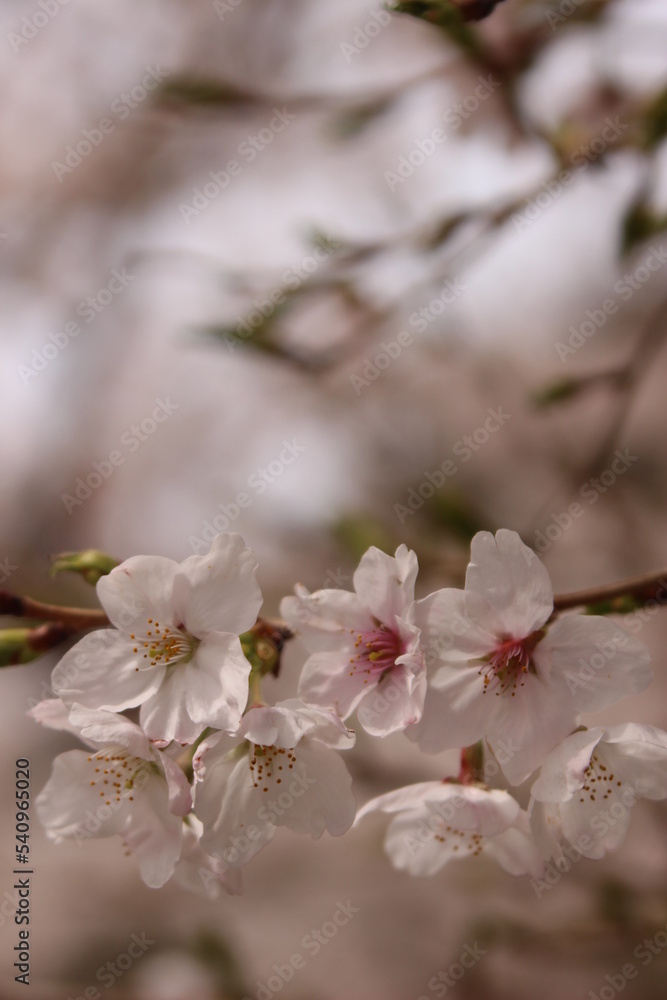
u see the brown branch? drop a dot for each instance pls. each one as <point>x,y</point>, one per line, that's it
<point>73,619</point>
<point>650,587</point>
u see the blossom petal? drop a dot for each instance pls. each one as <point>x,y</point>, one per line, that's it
<point>153,833</point>
<point>218,592</point>
<point>139,589</point>
<point>639,754</point>
<point>285,724</point>
<point>235,824</point>
<point>525,728</point>
<point>564,768</point>
<point>102,671</point>
<point>325,619</point>
<point>386,584</point>
<point>396,702</point>
<point>108,728</point>
<point>511,578</point>
<point>321,792</point>
<point>68,801</point>
<point>326,680</point>
<point>596,660</point>
<point>455,627</point>
<point>217,682</point>
<point>456,712</point>
<point>164,716</point>
<point>515,850</point>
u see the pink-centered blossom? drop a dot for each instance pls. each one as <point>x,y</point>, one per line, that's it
<point>364,650</point>
<point>499,670</point>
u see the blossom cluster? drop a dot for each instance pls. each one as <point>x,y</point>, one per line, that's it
<point>195,772</point>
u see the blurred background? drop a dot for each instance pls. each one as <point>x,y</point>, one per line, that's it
<point>330,277</point>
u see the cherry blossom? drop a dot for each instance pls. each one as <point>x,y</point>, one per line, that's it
<point>500,671</point>
<point>287,772</point>
<point>589,783</point>
<point>439,821</point>
<point>175,648</point>
<point>365,650</point>
<point>122,785</point>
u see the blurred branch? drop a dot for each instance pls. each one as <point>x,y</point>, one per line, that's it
<point>73,619</point>
<point>621,597</point>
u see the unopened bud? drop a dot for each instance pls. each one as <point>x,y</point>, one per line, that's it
<point>90,563</point>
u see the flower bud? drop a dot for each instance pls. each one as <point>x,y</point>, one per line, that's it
<point>90,563</point>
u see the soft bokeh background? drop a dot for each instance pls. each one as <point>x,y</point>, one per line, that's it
<point>481,223</point>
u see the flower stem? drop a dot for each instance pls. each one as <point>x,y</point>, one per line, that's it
<point>623,596</point>
<point>74,619</point>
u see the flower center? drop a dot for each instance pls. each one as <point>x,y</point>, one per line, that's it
<point>598,780</point>
<point>268,764</point>
<point>117,772</point>
<point>162,645</point>
<point>378,650</point>
<point>506,668</point>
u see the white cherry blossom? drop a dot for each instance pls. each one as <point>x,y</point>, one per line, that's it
<point>287,772</point>
<point>501,672</point>
<point>122,785</point>
<point>589,783</point>
<point>440,821</point>
<point>365,652</point>
<point>175,648</point>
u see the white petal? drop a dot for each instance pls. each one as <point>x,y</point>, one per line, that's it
<point>178,787</point>
<point>165,716</point>
<point>464,807</point>
<point>139,589</point>
<point>596,661</point>
<point>218,592</point>
<point>386,585</point>
<point>236,827</point>
<point>217,682</point>
<point>70,807</point>
<point>456,627</point>
<point>153,833</point>
<point>525,728</point>
<point>102,671</point>
<point>54,714</point>
<point>564,768</point>
<point>456,712</point>
<point>326,680</point>
<point>327,619</point>
<point>393,704</point>
<point>512,580</point>
<point>515,850</point>
<point>639,755</point>
<point>107,729</point>
<point>320,793</point>
<point>546,828</point>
